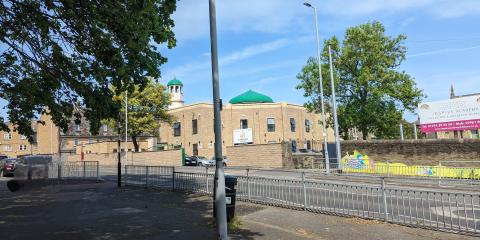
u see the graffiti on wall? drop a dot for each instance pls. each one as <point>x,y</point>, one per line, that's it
<point>356,161</point>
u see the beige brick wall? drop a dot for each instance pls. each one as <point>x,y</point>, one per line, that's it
<point>257,156</point>
<point>161,158</point>
<point>256,114</point>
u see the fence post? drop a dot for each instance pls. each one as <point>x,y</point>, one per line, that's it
<point>248,184</point>
<point>84,173</point>
<point>472,177</point>
<point>173,178</point>
<point>388,168</point>
<point>125,178</point>
<point>304,192</point>
<point>98,171</point>
<point>146,176</point>
<point>439,173</point>
<point>384,196</point>
<point>206,179</point>
<point>59,171</point>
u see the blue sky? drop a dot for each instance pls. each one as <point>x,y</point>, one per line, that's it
<point>264,44</point>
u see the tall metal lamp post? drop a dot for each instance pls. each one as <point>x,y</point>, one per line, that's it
<point>220,201</point>
<point>334,106</point>
<point>325,140</point>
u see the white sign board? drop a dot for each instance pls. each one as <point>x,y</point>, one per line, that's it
<point>453,114</point>
<point>242,136</point>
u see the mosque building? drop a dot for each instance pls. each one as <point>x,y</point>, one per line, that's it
<point>249,118</point>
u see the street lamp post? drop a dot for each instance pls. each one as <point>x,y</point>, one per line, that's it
<point>126,127</point>
<point>325,140</point>
<point>220,200</point>
<point>334,106</point>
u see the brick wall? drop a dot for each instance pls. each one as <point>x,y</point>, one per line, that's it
<point>420,152</point>
<point>161,158</point>
<point>259,156</point>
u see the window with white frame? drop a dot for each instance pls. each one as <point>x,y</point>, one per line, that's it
<point>271,124</point>
<point>293,125</point>
<point>7,136</point>
<point>307,125</point>
<point>7,148</point>
<point>105,127</point>
<point>177,129</point>
<point>75,141</point>
<point>77,127</point>
<point>243,123</point>
<point>22,147</point>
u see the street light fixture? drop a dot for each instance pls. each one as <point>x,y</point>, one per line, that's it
<point>220,200</point>
<point>325,140</point>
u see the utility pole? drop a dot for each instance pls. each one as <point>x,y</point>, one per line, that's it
<point>415,135</point>
<point>401,132</point>
<point>324,124</point>
<point>334,103</point>
<point>220,200</point>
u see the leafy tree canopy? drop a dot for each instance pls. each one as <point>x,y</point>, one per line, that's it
<point>372,91</point>
<point>56,53</point>
<point>146,108</point>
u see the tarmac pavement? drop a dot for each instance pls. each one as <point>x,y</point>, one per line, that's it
<point>102,211</point>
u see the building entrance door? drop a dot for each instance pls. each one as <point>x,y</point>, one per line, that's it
<point>195,149</point>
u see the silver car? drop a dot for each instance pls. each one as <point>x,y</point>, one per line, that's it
<point>204,162</point>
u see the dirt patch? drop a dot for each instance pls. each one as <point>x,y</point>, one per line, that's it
<point>362,221</point>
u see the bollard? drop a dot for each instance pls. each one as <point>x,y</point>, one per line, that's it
<point>248,184</point>
<point>384,196</point>
<point>304,192</point>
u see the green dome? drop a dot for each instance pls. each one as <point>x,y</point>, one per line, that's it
<point>174,82</point>
<point>251,97</point>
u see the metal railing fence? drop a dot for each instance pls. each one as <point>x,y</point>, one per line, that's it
<point>441,210</point>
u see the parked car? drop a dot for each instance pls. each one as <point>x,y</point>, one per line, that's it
<point>204,162</point>
<point>33,167</point>
<point>225,161</point>
<point>190,161</point>
<point>7,167</point>
<point>3,157</point>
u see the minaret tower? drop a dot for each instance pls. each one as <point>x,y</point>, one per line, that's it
<point>175,89</point>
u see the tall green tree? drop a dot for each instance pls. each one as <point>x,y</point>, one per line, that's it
<point>372,91</point>
<point>57,52</point>
<point>147,107</point>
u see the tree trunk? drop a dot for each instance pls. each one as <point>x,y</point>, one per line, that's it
<point>135,143</point>
<point>364,133</point>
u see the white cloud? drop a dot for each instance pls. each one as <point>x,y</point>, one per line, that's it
<point>284,16</point>
<point>242,54</point>
<point>267,16</point>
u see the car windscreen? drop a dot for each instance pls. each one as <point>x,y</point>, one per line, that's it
<point>11,161</point>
